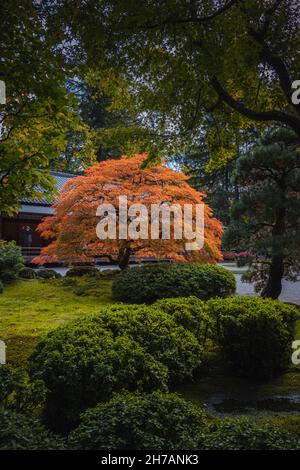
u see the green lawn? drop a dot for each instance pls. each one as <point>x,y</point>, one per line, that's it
<point>29,309</point>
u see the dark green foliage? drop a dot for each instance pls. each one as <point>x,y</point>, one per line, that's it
<point>18,393</point>
<point>1,287</point>
<point>189,312</point>
<point>246,434</point>
<point>265,218</point>
<point>217,184</point>
<point>128,421</point>
<point>18,432</point>
<point>109,274</point>
<point>48,274</point>
<point>6,384</point>
<point>158,333</point>
<point>151,282</point>
<point>126,347</point>
<point>83,365</point>
<point>255,334</point>
<point>11,261</point>
<point>83,271</point>
<point>27,273</point>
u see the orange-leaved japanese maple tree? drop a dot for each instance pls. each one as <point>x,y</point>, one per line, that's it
<point>72,228</point>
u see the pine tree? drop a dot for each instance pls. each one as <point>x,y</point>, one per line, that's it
<point>266,219</point>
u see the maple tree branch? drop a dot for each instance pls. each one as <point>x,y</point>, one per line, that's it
<point>268,14</point>
<point>196,19</point>
<point>262,116</point>
<point>277,63</point>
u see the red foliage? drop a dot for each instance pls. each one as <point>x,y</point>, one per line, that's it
<point>72,228</point>
<point>234,255</point>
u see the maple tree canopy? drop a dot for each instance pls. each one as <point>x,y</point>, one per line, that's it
<point>72,228</point>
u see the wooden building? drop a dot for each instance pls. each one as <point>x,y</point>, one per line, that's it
<point>22,227</point>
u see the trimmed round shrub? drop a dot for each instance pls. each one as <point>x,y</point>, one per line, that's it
<point>128,421</point>
<point>189,312</point>
<point>83,364</point>
<point>27,273</point>
<point>83,271</point>
<point>11,261</point>
<point>148,283</point>
<point>18,432</point>
<point>158,333</point>
<point>255,334</point>
<point>48,274</point>
<point>126,347</point>
<point>246,434</point>
<point>1,287</point>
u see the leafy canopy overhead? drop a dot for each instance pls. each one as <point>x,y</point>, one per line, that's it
<point>185,62</point>
<point>40,109</point>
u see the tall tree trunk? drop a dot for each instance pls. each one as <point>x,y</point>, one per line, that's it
<point>124,256</point>
<point>276,271</point>
<point>274,284</point>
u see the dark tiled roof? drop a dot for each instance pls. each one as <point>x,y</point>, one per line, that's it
<point>60,179</point>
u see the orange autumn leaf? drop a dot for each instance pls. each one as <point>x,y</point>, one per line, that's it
<point>72,228</point>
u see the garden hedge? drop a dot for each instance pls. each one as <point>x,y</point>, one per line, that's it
<point>11,261</point>
<point>247,434</point>
<point>127,347</point>
<point>255,334</point>
<point>83,366</point>
<point>167,422</point>
<point>18,393</point>
<point>147,421</point>
<point>18,432</point>
<point>158,333</point>
<point>191,313</point>
<point>27,273</point>
<point>148,283</point>
<point>48,274</point>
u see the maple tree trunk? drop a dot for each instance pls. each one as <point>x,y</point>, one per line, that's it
<point>124,257</point>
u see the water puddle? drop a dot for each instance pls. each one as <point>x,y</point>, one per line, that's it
<point>273,404</point>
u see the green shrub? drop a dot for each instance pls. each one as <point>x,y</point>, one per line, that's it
<point>83,271</point>
<point>48,274</point>
<point>6,384</point>
<point>109,274</point>
<point>246,434</point>
<point>255,334</point>
<point>83,364</point>
<point>128,421</point>
<point>18,393</point>
<point>11,261</point>
<point>125,347</point>
<point>151,282</point>
<point>189,312</point>
<point>18,432</point>
<point>27,273</point>
<point>85,285</point>
<point>158,333</point>
<point>1,287</point>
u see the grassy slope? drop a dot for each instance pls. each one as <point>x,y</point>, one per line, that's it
<point>29,309</point>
